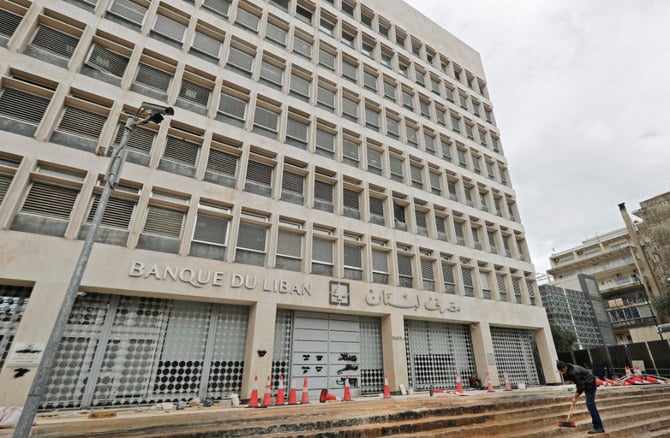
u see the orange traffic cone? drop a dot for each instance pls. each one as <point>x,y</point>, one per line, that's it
<point>280,392</point>
<point>628,373</point>
<point>459,384</point>
<point>292,396</point>
<point>489,385</point>
<point>347,390</point>
<point>267,397</point>
<point>327,396</point>
<point>305,393</point>
<point>387,388</point>
<point>253,398</point>
<point>508,387</point>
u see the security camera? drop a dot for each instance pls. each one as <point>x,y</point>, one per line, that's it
<point>160,109</point>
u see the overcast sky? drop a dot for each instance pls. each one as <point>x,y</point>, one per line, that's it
<point>581,94</point>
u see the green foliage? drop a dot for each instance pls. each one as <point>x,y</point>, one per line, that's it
<point>661,304</point>
<point>564,339</point>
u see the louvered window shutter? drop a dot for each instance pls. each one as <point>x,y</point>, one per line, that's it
<point>440,224</point>
<point>5,181</point>
<point>502,287</point>
<point>484,278</point>
<point>352,256</point>
<point>54,41</point>
<point>296,129</point>
<point>153,77</point>
<point>351,199</point>
<point>164,222</point>
<point>266,119</point>
<point>260,173</point>
<point>207,44</point>
<point>23,106</point>
<point>323,191</point>
<point>8,23</point>
<point>427,272</point>
<point>376,206</point>
<point>467,277</point>
<point>322,250</point>
<point>233,106</point>
<point>222,162</point>
<point>420,219</point>
<point>50,200</point>
<point>129,10</point>
<point>194,92</point>
<point>211,229</point>
<point>289,244</point>
<point>104,59</point>
<point>117,213</point>
<point>252,237</point>
<point>404,265</point>
<point>79,122</point>
<point>325,140</point>
<point>293,182</point>
<point>140,139</point>
<point>380,261</point>
<point>240,59</point>
<point>350,150</point>
<point>396,166</point>
<point>169,28</point>
<point>181,151</point>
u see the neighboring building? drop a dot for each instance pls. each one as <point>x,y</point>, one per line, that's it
<point>580,311</point>
<point>330,198</point>
<point>609,260</point>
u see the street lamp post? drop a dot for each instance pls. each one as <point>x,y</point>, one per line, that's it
<point>38,388</point>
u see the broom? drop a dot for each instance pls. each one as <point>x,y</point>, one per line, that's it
<point>568,423</point>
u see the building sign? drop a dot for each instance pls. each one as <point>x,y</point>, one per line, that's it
<point>339,293</point>
<point>407,299</point>
<point>201,278</point>
<point>26,354</point>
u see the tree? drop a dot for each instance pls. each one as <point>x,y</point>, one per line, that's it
<point>661,303</point>
<point>563,338</point>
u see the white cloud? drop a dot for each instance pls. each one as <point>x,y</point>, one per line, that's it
<point>580,91</point>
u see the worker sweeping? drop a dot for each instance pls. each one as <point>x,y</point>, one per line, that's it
<point>585,382</point>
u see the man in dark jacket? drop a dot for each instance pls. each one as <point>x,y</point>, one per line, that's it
<point>585,382</point>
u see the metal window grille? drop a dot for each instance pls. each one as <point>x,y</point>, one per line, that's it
<point>297,131</point>
<point>326,59</point>
<point>486,288</point>
<point>416,174</point>
<point>374,161</point>
<point>380,270</point>
<point>448,276</point>
<point>323,191</point>
<point>181,151</point>
<point>428,274</point>
<point>460,237</point>
<point>349,71</point>
<point>370,81</point>
<point>259,173</point>
<point>212,230</point>
<point>513,350</point>
<point>421,222</point>
<point>195,93</point>
<point>531,292</point>
<point>349,108</point>
<point>325,140</point>
<point>153,77</point>
<point>104,59</point>
<point>350,151</point>
<point>118,213</point>
<point>468,285</point>
<point>22,106</point>
<point>252,237</point>
<point>322,256</point>
<point>371,118</point>
<point>271,73</point>
<point>50,200</point>
<point>222,162</point>
<point>163,221</point>
<point>289,244</point>
<point>351,203</point>
<point>372,360</point>
<point>54,41</point>
<point>293,182</point>
<point>516,287</point>
<point>13,303</point>
<point>435,185</point>
<point>128,10</point>
<point>325,97</point>
<point>396,168</point>
<point>353,262</point>
<point>140,139</point>
<point>502,287</point>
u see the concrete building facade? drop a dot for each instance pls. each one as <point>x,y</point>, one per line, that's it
<point>329,199</point>
<point>608,259</point>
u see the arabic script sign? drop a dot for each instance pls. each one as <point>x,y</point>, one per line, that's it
<point>410,300</point>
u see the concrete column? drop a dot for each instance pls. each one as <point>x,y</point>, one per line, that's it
<point>482,347</point>
<point>548,357</point>
<point>393,344</point>
<point>260,338</point>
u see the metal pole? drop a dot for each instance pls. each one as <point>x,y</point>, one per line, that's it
<point>43,373</point>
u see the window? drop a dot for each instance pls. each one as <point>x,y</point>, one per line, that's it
<point>531,292</point>
<point>421,222</point>
<point>325,140</point>
<point>325,97</point>
<point>387,57</point>
<point>55,38</point>
<point>154,75</point>
<point>374,161</point>
<point>23,102</point>
<point>451,186</point>
<point>376,210</point>
<point>369,80</point>
<point>259,178</point>
<point>222,163</point>
<point>455,124</point>
<point>462,159</point>
<point>277,31</point>
<point>405,275</point>
<point>476,164</point>
<point>435,183</point>
<point>351,203</point>
<point>435,85</point>
<point>476,240</point>
<point>48,204</point>
<point>247,18</point>
<point>496,203</point>
<point>282,4</point>
<point>304,11</point>
<point>372,116</point>
<point>502,286</point>
<point>412,133</point>
<point>10,21</point>
<point>380,270</point>
<point>170,25</point>
<point>424,106</point>
<point>196,89</point>
<point>399,216</point>
<point>508,251</point>
<point>392,126</point>
<point>241,60</point>
<point>397,173</point>
<point>322,255</point>
<point>297,129</point>
<point>469,131</point>
<point>407,99</point>
<point>353,261</point>
<point>207,42</point>
<point>400,37</point>
<point>107,58</point>
<point>127,12</point>
<point>348,8</point>
<point>266,118</point>
<point>323,195</point>
<point>302,45</point>
<point>327,57</point>
<point>468,285</point>
<point>440,114</point>
<point>429,142</point>
<point>368,47</point>
<point>441,225</point>
<point>489,170</point>
<point>8,168</point>
<point>460,236</point>
<point>272,71</point>
<point>211,231</point>
<point>351,151</point>
<point>293,185</point>
<point>482,200</point>
<point>163,226</point>
<point>220,7</point>
<point>289,246</point>
<point>350,106</point>
<point>82,121</point>
<point>252,241</point>
<point>350,69</point>
<point>327,24</point>
<point>349,36</point>
<point>493,247</point>
<point>301,84</point>
<point>486,288</point>
<point>403,67</point>
<point>428,274</point>
<point>448,278</point>
<point>416,173</point>
<point>389,90</point>
<point>233,106</point>
<point>520,247</point>
<point>182,149</point>
<point>450,94</point>
<point>467,190</point>
<point>446,148</point>
<point>384,28</point>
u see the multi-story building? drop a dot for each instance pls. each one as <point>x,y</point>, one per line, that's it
<point>329,199</point>
<point>609,260</point>
<point>580,311</point>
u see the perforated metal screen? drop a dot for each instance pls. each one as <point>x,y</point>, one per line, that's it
<point>13,302</point>
<point>119,350</point>
<point>513,350</point>
<point>436,351</point>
